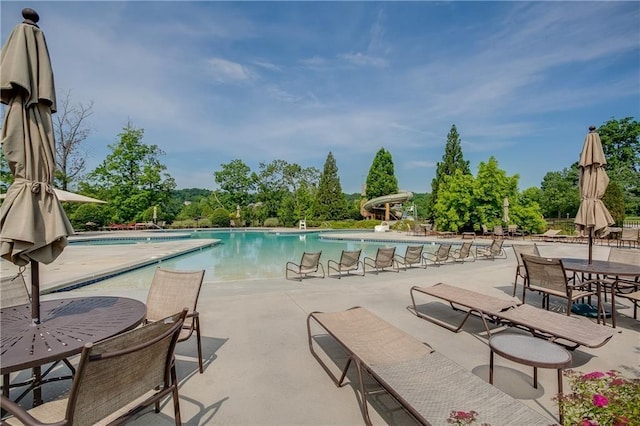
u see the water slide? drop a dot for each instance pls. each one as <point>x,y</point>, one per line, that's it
<point>379,203</point>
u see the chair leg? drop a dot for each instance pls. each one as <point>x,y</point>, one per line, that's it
<point>197,327</point>
<point>176,398</point>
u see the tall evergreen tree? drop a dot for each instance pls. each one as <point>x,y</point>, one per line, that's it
<point>330,202</point>
<point>381,179</point>
<point>452,160</point>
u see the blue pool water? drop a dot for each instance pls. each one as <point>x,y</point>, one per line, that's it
<point>248,256</point>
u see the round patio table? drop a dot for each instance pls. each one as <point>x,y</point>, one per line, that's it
<point>603,267</point>
<point>531,351</point>
<point>66,326</point>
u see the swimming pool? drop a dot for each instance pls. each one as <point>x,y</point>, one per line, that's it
<point>247,255</point>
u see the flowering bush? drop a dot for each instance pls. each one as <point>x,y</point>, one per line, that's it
<point>460,418</point>
<point>601,399</point>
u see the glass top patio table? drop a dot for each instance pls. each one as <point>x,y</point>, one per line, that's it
<point>66,326</point>
<point>603,267</point>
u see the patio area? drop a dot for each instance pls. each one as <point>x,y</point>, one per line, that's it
<point>259,371</point>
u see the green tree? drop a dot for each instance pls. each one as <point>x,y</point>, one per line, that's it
<point>621,145</point>
<point>329,203</point>
<point>491,187</point>
<point>278,179</point>
<point>6,177</point>
<point>455,203</point>
<point>560,193</point>
<point>613,199</point>
<point>236,180</point>
<point>381,179</point>
<point>452,160</point>
<point>131,178</point>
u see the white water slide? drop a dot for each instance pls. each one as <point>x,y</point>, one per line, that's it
<point>379,203</point>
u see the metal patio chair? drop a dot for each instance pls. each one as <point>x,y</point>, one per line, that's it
<point>309,264</point>
<point>413,256</point>
<point>519,249</point>
<point>171,291</point>
<point>463,253</point>
<point>385,258</point>
<point>439,257</point>
<point>349,261</point>
<point>115,379</point>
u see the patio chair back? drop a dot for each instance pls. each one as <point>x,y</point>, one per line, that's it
<point>385,258</point>
<point>115,372</point>
<point>518,250</point>
<point>171,291</point>
<point>14,291</point>
<point>496,247</point>
<point>630,236</point>
<point>630,256</point>
<point>498,231</point>
<point>545,273</point>
<point>413,254</point>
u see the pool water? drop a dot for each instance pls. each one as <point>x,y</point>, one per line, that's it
<point>248,256</point>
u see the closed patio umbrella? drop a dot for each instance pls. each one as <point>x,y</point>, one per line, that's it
<point>33,225</point>
<point>593,218</point>
<point>505,210</point>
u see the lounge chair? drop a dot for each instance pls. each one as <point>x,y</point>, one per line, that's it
<point>549,235</point>
<point>513,231</point>
<point>463,253</point>
<point>518,250</point>
<point>413,256</point>
<point>493,251</point>
<point>309,264</point>
<point>438,257</point>
<point>115,379</point>
<point>630,237</point>
<point>485,231</point>
<point>498,232</point>
<point>385,258</point>
<point>349,261</point>
<point>426,383</point>
<point>547,276</point>
<point>14,291</point>
<point>171,291</point>
<point>571,332</point>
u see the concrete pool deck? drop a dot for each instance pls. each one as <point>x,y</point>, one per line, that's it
<point>258,369</point>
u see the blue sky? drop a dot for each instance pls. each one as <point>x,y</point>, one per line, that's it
<point>211,82</point>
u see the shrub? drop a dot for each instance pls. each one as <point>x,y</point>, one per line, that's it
<point>220,218</point>
<point>271,222</point>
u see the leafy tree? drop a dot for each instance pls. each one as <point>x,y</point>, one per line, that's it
<point>329,203</point>
<point>381,179</point>
<point>71,130</point>
<point>491,187</point>
<point>613,199</point>
<point>237,182</point>
<point>455,203</point>
<point>220,218</point>
<point>6,177</point>
<point>131,178</point>
<point>621,145</point>
<point>278,179</point>
<point>560,193</point>
<point>452,160</point>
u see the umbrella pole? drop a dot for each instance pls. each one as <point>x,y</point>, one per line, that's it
<point>35,292</point>
<point>590,247</point>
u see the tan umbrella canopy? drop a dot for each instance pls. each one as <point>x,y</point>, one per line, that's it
<point>33,225</point>
<point>593,218</point>
<point>69,197</point>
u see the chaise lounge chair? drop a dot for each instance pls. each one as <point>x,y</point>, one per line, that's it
<point>309,264</point>
<point>439,257</point>
<point>463,253</point>
<point>349,261</point>
<point>385,258</point>
<point>426,383</point>
<point>413,256</point>
<point>494,251</point>
<point>570,332</point>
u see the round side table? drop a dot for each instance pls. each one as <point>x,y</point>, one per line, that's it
<point>532,351</point>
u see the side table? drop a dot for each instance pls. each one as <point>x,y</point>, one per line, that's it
<point>532,351</point>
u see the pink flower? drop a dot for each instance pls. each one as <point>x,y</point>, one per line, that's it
<point>588,422</point>
<point>600,400</point>
<point>618,381</point>
<point>621,421</point>
<point>593,375</point>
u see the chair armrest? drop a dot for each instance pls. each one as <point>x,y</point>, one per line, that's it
<point>20,413</point>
